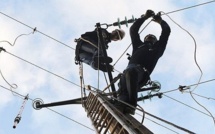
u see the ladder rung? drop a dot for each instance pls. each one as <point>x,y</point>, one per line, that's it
<point>109,123</point>
<point>102,116</point>
<point>104,121</point>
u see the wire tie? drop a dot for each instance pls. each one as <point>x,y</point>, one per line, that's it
<point>182,88</point>
<point>34,30</point>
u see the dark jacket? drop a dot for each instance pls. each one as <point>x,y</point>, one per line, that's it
<point>93,37</point>
<point>144,54</point>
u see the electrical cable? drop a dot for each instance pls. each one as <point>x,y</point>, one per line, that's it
<point>174,125</point>
<point>43,69</point>
<point>131,44</point>
<point>166,14</point>
<point>73,48</point>
<point>191,7</point>
<point>195,59</point>
<point>16,38</point>
<point>187,105</point>
<point>36,30</point>
<point>51,109</point>
<point>209,98</point>
<point>203,82</point>
<point>169,12</point>
<point>160,124</point>
<point>13,86</point>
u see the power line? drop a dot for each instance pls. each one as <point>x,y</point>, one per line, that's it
<point>36,30</point>
<point>190,7</point>
<point>203,82</point>
<point>187,105</point>
<point>51,109</point>
<point>73,48</point>
<point>209,98</point>
<point>43,69</point>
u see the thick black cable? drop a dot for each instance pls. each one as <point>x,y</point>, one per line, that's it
<point>50,109</point>
<point>43,69</point>
<point>36,30</point>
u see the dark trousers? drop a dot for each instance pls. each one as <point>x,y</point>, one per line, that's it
<point>86,52</point>
<point>133,78</point>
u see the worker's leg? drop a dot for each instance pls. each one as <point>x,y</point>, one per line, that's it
<point>132,85</point>
<point>86,47</point>
<point>86,58</point>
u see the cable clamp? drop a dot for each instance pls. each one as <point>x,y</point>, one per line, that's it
<point>34,30</point>
<point>183,88</point>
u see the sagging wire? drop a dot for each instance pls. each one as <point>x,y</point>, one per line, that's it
<point>73,48</point>
<point>37,30</point>
<point>170,13</point>
<point>12,44</point>
<point>195,59</point>
<point>195,50</point>
<point>12,86</point>
<point>201,105</point>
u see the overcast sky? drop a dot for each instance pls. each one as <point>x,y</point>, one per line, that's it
<point>66,20</point>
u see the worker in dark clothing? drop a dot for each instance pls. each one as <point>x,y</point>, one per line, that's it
<point>142,62</point>
<point>87,50</point>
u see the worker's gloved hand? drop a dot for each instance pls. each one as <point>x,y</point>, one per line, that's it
<point>157,18</point>
<point>148,14</point>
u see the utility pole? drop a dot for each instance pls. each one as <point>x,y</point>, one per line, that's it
<point>103,114</point>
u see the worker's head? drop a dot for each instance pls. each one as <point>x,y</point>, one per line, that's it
<point>117,34</point>
<point>150,38</point>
